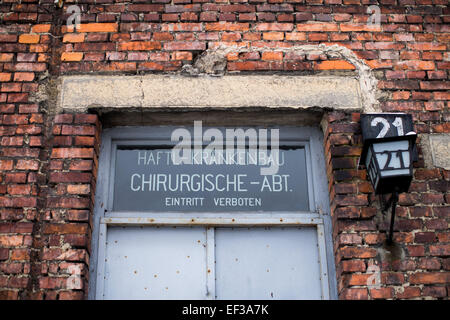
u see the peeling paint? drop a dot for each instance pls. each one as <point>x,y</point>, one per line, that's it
<point>213,61</point>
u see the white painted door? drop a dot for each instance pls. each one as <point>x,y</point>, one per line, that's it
<point>155,263</point>
<point>250,263</point>
<point>267,263</point>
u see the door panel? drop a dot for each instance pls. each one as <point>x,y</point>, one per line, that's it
<point>267,263</point>
<point>155,263</point>
<point>250,263</point>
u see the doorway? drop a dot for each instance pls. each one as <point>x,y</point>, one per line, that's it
<point>240,236</point>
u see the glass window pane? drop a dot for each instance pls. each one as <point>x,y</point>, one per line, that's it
<point>147,180</point>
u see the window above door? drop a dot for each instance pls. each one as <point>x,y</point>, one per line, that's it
<point>142,176</point>
<point>139,186</point>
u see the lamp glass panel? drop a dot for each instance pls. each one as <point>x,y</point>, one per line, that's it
<point>382,159</point>
<point>391,146</point>
<point>406,158</point>
<point>388,173</point>
<point>392,155</point>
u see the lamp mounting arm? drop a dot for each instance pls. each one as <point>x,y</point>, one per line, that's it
<point>392,202</point>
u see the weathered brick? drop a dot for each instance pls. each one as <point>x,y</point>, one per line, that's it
<point>440,250</point>
<point>354,294</point>
<point>18,189</point>
<point>78,130</point>
<point>70,177</point>
<point>81,165</point>
<point>435,291</point>
<point>75,203</point>
<point>184,46</point>
<point>4,254</point>
<point>429,263</point>
<point>357,200</point>
<point>71,56</point>
<point>72,153</point>
<point>382,293</point>
<point>23,76</point>
<point>93,27</point>
<point>67,228</point>
<point>20,254</point>
<point>353,266</point>
<point>78,189</point>
<point>63,118</point>
<point>226,26</point>
<point>84,141</point>
<point>11,240</point>
<point>335,65</point>
<point>29,38</point>
<point>430,278</point>
<point>40,28</point>
<point>358,252</point>
<point>317,27</point>
<point>71,295</point>
<point>139,46</point>
<point>5,77</point>
<point>78,215</point>
<point>74,37</point>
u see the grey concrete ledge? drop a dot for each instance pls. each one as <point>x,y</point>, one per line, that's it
<point>79,93</point>
<point>436,150</point>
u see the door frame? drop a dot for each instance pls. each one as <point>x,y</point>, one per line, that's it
<point>318,216</point>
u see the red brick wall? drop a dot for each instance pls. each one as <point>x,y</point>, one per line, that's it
<point>48,163</point>
<point>419,264</point>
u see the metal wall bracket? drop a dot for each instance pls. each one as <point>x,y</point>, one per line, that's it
<point>392,202</point>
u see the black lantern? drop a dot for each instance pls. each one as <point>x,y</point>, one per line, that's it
<point>389,151</point>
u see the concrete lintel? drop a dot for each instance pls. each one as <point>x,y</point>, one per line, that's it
<point>153,92</point>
